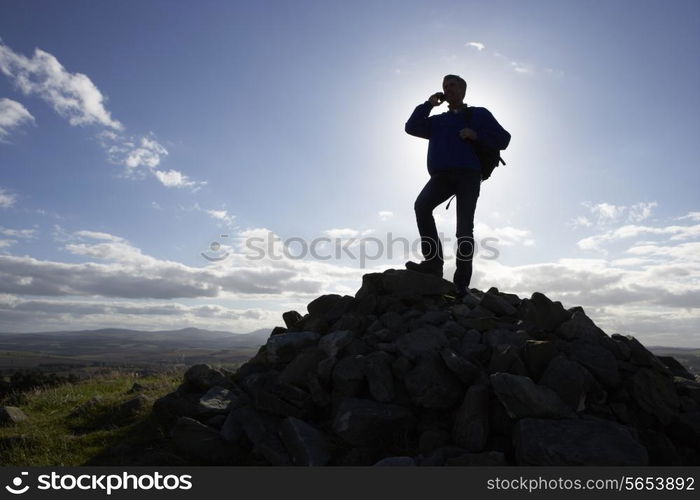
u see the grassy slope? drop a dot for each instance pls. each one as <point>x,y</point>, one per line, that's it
<point>98,435</point>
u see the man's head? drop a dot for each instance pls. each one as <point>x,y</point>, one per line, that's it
<point>454,88</point>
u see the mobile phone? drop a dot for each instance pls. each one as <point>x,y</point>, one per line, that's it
<point>441,96</point>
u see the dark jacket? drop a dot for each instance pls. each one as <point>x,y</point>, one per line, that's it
<point>446,149</point>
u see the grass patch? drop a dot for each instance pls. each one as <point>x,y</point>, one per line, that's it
<point>80,424</point>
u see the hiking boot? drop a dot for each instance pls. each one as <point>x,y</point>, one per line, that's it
<point>462,290</point>
<point>433,267</point>
<point>460,283</point>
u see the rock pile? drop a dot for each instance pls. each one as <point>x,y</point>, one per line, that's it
<point>405,374</point>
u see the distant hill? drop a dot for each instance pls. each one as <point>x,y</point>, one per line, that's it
<point>127,347</point>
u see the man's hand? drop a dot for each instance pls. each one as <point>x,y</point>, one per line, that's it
<point>437,98</point>
<point>467,134</point>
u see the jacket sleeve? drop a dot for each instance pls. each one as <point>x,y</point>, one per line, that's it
<point>489,132</point>
<point>419,122</point>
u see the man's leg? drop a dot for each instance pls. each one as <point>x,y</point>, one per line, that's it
<point>437,190</point>
<point>468,188</point>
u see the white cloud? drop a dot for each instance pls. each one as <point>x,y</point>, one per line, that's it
<point>675,233</point>
<point>342,233</point>
<point>148,154</point>
<point>522,68</point>
<point>173,178</point>
<point>222,215</point>
<point>97,235</point>
<point>17,233</point>
<point>72,95</point>
<point>581,221</point>
<point>689,251</point>
<point>477,45</point>
<point>143,155</point>
<point>128,273</point>
<point>12,115</point>
<point>385,214</point>
<point>7,199</point>
<point>132,152</point>
<point>608,213</point>
<point>640,211</point>
<point>694,216</point>
<point>75,97</point>
<point>622,294</point>
<point>506,235</point>
<point>124,271</point>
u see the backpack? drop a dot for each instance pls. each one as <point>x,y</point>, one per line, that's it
<point>489,158</point>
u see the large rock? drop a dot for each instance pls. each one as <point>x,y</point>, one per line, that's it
<point>297,371</point>
<point>494,303</point>
<point>537,354</point>
<point>589,441</point>
<point>656,394</point>
<point>365,422</point>
<point>204,377</point>
<point>521,397</point>
<point>422,342</point>
<point>330,307</point>
<point>580,327</point>
<point>181,403</point>
<point>349,375</point>
<point>598,360</point>
<point>431,385</point>
<point>506,358</point>
<point>291,319</point>
<point>305,444</point>
<point>404,283</point>
<point>466,371</point>
<point>133,407</point>
<point>217,400</point>
<point>568,380</point>
<point>471,426</point>
<point>499,336</point>
<point>283,348</point>
<point>544,314</point>
<point>202,442</point>
<point>377,368</point>
<point>332,343</point>
<point>677,369</point>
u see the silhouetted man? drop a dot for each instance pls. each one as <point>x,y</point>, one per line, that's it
<point>454,169</point>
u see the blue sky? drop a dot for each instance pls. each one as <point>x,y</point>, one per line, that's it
<point>134,134</point>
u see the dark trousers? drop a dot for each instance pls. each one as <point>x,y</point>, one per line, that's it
<point>466,184</point>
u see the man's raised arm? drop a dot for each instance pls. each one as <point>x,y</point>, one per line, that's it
<point>419,123</point>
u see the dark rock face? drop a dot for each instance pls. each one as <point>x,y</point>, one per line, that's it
<point>202,442</point>
<point>404,374</point>
<point>588,441</point>
<point>522,398</point>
